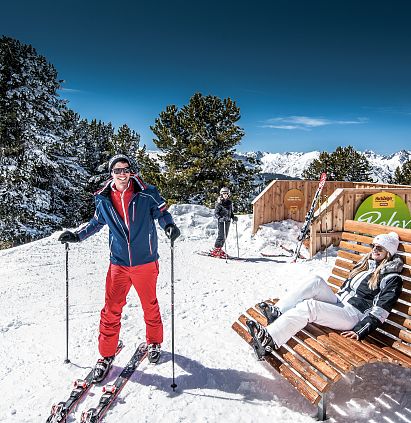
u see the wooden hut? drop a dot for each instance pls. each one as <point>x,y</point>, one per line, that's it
<point>291,199</point>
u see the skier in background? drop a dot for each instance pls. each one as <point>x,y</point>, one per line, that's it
<point>224,214</point>
<point>128,206</point>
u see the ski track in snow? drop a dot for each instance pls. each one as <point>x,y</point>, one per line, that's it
<point>217,376</point>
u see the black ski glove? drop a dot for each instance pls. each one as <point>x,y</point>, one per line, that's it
<point>225,218</point>
<point>235,219</point>
<point>68,236</point>
<point>172,231</point>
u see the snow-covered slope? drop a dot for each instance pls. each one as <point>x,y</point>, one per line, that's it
<point>217,376</point>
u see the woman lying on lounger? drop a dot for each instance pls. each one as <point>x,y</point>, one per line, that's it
<point>359,307</point>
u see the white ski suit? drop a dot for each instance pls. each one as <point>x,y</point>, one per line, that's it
<point>315,302</point>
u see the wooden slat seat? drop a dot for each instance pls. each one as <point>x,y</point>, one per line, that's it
<point>316,357</point>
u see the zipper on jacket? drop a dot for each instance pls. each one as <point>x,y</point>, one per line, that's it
<point>129,229</point>
<point>128,226</point>
<point>129,251</point>
<point>149,242</point>
<point>124,210</point>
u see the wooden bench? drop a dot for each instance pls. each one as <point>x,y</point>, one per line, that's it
<point>317,356</point>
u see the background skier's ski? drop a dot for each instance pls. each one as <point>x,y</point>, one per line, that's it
<point>288,250</point>
<point>208,254</point>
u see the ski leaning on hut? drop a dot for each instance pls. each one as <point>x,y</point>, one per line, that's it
<point>309,217</point>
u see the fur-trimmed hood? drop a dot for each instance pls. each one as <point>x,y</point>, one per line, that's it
<point>393,266</point>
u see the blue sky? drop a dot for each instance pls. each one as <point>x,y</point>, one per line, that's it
<point>307,75</point>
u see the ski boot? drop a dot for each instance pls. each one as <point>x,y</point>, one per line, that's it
<point>154,353</point>
<point>271,312</point>
<point>263,344</point>
<point>216,252</point>
<point>102,368</point>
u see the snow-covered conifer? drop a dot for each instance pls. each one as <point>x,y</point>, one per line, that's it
<point>198,144</point>
<point>33,153</point>
<point>344,164</point>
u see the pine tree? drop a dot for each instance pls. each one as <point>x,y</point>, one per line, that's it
<point>324,163</point>
<point>126,141</point>
<point>402,174</point>
<point>198,143</point>
<point>97,152</point>
<point>98,147</point>
<point>32,147</point>
<point>344,164</point>
<point>149,169</point>
<point>71,181</point>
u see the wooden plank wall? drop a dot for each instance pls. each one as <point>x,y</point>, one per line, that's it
<point>328,222</point>
<point>269,205</point>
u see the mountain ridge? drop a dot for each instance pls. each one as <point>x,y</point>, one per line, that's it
<point>292,164</point>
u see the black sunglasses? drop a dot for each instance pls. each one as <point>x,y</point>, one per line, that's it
<point>121,170</point>
<point>377,247</point>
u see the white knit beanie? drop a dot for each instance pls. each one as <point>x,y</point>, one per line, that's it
<point>389,241</point>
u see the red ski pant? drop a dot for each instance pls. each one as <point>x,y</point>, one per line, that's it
<point>118,283</point>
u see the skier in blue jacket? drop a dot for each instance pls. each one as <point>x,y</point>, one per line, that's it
<point>129,207</point>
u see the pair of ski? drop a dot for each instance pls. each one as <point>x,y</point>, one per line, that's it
<point>309,216</point>
<point>61,411</point>
<point>289,251</point>
<point>209,254</point>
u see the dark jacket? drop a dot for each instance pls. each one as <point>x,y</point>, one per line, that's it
<point>377,303</point>
<point>137,245</point>
<point>223,210</point>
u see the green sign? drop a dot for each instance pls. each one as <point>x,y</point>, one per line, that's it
<point>384,208</point>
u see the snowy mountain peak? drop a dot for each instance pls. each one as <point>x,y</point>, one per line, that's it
<point>292,164</point>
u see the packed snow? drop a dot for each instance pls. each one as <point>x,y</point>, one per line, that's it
<point>217,376</point>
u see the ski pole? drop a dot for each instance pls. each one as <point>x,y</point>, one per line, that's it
<point>67,303</point>
<point>238,247</point>
<point>225,238</point>
<point>173,385</point>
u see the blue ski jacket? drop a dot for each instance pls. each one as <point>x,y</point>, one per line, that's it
<point>139,244</point>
